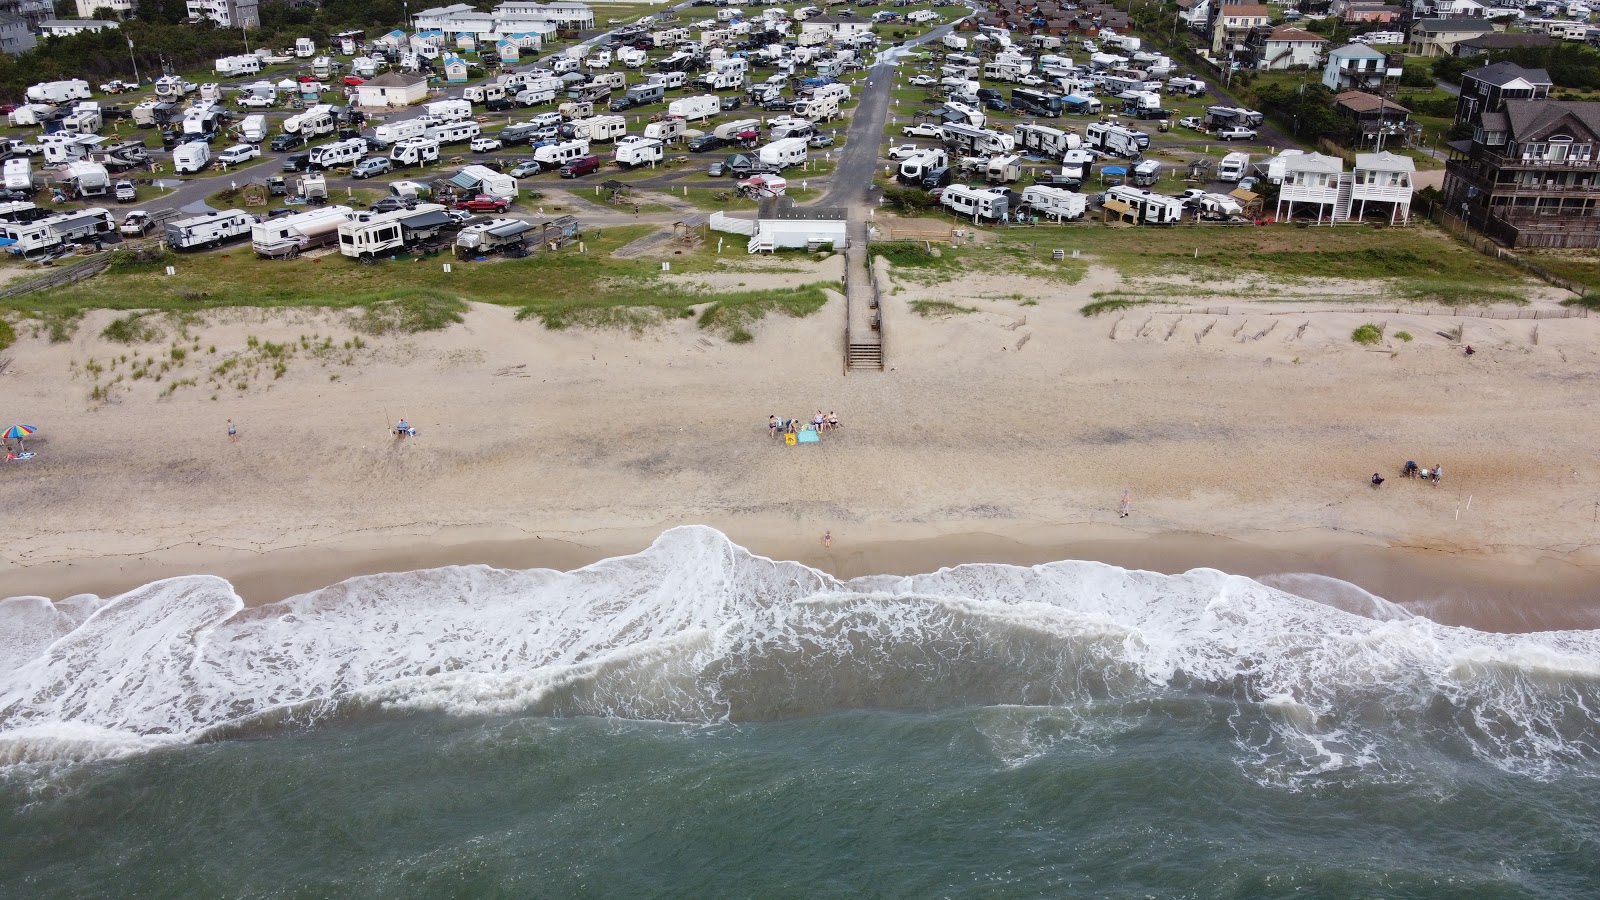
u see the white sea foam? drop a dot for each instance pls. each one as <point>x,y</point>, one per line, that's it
<point>696,629</point>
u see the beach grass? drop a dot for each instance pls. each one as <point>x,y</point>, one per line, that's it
<point>930,308</point>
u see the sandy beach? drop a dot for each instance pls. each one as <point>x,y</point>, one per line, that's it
<point>1007,434</point>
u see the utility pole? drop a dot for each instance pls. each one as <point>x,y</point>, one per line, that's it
<point>135,62</point>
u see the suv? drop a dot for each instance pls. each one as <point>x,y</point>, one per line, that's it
<point>583,165</point>
<point>524,168</point>
<point>485,144</point>
<point>374,165</point>
<point>236,155</point>
<point>499,104</point>
<point>296,162</point>
<point>287,142</point>
<point>1236,133</point>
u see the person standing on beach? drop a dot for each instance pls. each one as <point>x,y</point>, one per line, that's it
<point>1438,475</point>
<point>827,540</point>
<point>233,432</point>
<point>1127,503</point>
<point>772,426</point>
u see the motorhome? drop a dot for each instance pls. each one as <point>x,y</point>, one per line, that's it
<point>496,235</point>
<point>1002,169</point>
<point>321,67</point>
<point>191,157</point>
<point>1081,105</point>
<point>304,48</point>
<point>1233,167</point>
<point>313,122</point>
<point>416,151</point>
<point>369,235</point>
<point>784,152</point>
<point>1036,103</point>
<point>58,92</point>
<point>391,133</point>
<point>234,66</point>
<point>210,230</point>
<point>54,232</point>
<point>1114,139</point>
<point>970,141</point>
<point>1144,206</point>
<point>289,236</point>
<point>554,156</point>
<point>596,128</point>
<point>253,129</point>
<point>174,87</point>
<point>1054,202</point>
<point>1044,140</point>
<point>695,109</point>
<point>668,130</point>
<point>979,203</point>
<point>448,110</point>
<point>637,151</point>
<point>453,132</point>
<point>1232,116</point>
<point>914,168</point>
<point>338,153</point>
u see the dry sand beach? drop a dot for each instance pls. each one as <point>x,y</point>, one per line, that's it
<point>1008,433</point>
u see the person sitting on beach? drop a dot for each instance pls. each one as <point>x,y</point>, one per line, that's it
<point>819,420</point>
<point>1411,468</point>
<point>1377,480</point>
<point>833,420</point>
<point>1438,473</point>
<point>772,425</point>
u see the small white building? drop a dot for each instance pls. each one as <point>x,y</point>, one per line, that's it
<point>1311,178</point>
<point>455,69</point>
<point>65,27</point>
<point>123,8</point>
<point>1383,178</point>
<point>1355,67</point>
<point>1290,48</point>
<point>392,89</point>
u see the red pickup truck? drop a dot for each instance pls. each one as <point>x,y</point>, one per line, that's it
<point>485,203</point>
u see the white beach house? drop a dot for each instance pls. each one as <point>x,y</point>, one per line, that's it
<point>1387,178</point>
<point>1313,178</point>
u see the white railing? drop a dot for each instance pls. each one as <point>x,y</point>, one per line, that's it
<point>732,224</point>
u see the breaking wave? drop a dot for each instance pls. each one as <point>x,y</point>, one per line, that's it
<point>697,629</point>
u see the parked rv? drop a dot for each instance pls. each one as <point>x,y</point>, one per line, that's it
<point>55,232</point>
<point>507,236</point>
<point>695,109</point>
<point>210,230</point>
<point>289,236</point>
<point>414,152</point>
<point>978,203</point>
<point>1054,203</point>
<point>554,156</point>
<point>637,151</point>
<point>369,235</point>
<point>190,158</point>
<point>1145,207</point>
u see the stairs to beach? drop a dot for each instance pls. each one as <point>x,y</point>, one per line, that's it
<point>866,356</point>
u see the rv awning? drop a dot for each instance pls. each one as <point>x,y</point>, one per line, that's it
<point>510,229</point>
<point>465,181</point>
<point>64,223</point>
<point>431,219</point>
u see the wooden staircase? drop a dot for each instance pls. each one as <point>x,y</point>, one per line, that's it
<point>866,356</point>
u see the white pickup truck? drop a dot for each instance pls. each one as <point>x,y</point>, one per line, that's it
<point>924,130</point>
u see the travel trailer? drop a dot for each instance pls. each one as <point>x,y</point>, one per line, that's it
<point>916,167</point>
<point>666,130</point>
<point>730,131</point>
<point>1114,139</point>
<point>415,151</point>
<point>174,87</point>
<point>476,179</point>
<point>253,130</point>
<point>1145,207</point>
<point>313,122</point>
<point>190,158</point>
<point>391,133</point>
<point>695,109</point>
<point>784,152</point>
<point>210,230</point>
<point>54,232</point>
<point>977,203</point>
<point>639,95</point>
<point>234,66</point>
<point>56,93</point>
<point>637,151</point>
<point>1145,173</point>
<point>1002,169</point>
<point>453,132</point>
<point>597,128</point>
<point>448,110</point>
<point>87,179</point>
<point>494,236</point>
<point>1054,203</point>
<point>968,140</point>
<point>288,236</point>
<point>1044,140</point>
<point>554,156</point>
<point>369,235</point>
<point>19,174</point>
<point>338,153</point>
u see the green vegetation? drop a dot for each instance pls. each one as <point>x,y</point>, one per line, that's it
<point>726,314</point>
<point>1111,304</point>
<point>1367,334</point>
<point>131,329</point>
<point>408,311</point>
<point>930,308</point>
<point>1404,337</point>
<point>8,336</point>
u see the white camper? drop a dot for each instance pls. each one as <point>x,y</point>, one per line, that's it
<point>1054,203</point>
<point>234,66</point>
<point>453,132</point>
<point>666,130</point>
<point>448,110</point>
<point>30,114</point>
<point>916,167</point>
<point>1233,167</point>
<point>1146,207</point>
<point>504,235</point>
<point>784,152</point>
<point>19,174</point>
<point>315,121</point>
<point>190,158</point>
<point>369,235</point>
<point>253,130</point>
<point>1002,169</point>
<point>289,236</point>
<point>1114,139</point>
<point>85,118</point>
<point>174,87</point>
<point>694,109</point>
<point>1044,140</point>
<point>87,179</point>
<point>638,151</point>
<point>730,130</point>
<point>415,151</point>
<point>554,156</point>
<point>484,180</point>
<point>392,133</point>
<point>210,230</point>
<point>304,48</point>
<point>338,153</point>
<point>598,128</point>
<point>978,203</point>
<point>59,92</point>
<point>54,232</point>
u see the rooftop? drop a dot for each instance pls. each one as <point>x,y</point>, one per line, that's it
<point>1361,101</point>
<point>1445,26</point>
<point>1503,73</point>
<point>1386,162</point>
<point>1358,51</point>
<point>1528,116</point>
<point>1291,33</point>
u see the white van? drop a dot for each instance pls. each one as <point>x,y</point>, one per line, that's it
<point>238,154</point>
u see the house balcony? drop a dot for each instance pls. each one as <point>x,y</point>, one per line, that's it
<point>1380,193</point>
<point>1298,194</point>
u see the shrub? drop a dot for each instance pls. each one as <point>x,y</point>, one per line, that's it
<point>7,335</point>
<point>131,329</point>
<point>1404,336</point>
<point>1367,334</point>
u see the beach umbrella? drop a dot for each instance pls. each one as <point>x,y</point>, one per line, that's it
<point>18,432</point>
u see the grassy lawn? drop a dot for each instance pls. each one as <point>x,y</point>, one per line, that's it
<point>1582,266</point>
<point>559,289</point>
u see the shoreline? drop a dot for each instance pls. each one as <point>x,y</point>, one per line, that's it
<point>1487,593</point>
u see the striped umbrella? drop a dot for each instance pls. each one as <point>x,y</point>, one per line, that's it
<point>18,432</point>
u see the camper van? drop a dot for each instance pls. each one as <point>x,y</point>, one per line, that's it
<point>1054,203</point>
<point>637,151</point>
<point>1233,167</point>
<point>368,235</point>
<point>392,133</point>
<point>338,153</point>
<point>448,110</point>
<point>978,203</point>
<point>415,151</point>
<point>784,152</point>
<point>453,132</point>
<point>1114,139</point>
<point>597,128</point>
<point>210,230</point>
<point>695,109</point>
<point>313,122</point>
<point>190,158</point>
<point>1146,207</point>
<point>289,236</point>
<point>554,156</point>
<point>54,232</point>
<point>496,235</point>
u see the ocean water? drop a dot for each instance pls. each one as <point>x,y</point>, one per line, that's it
<point>697,721</point>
